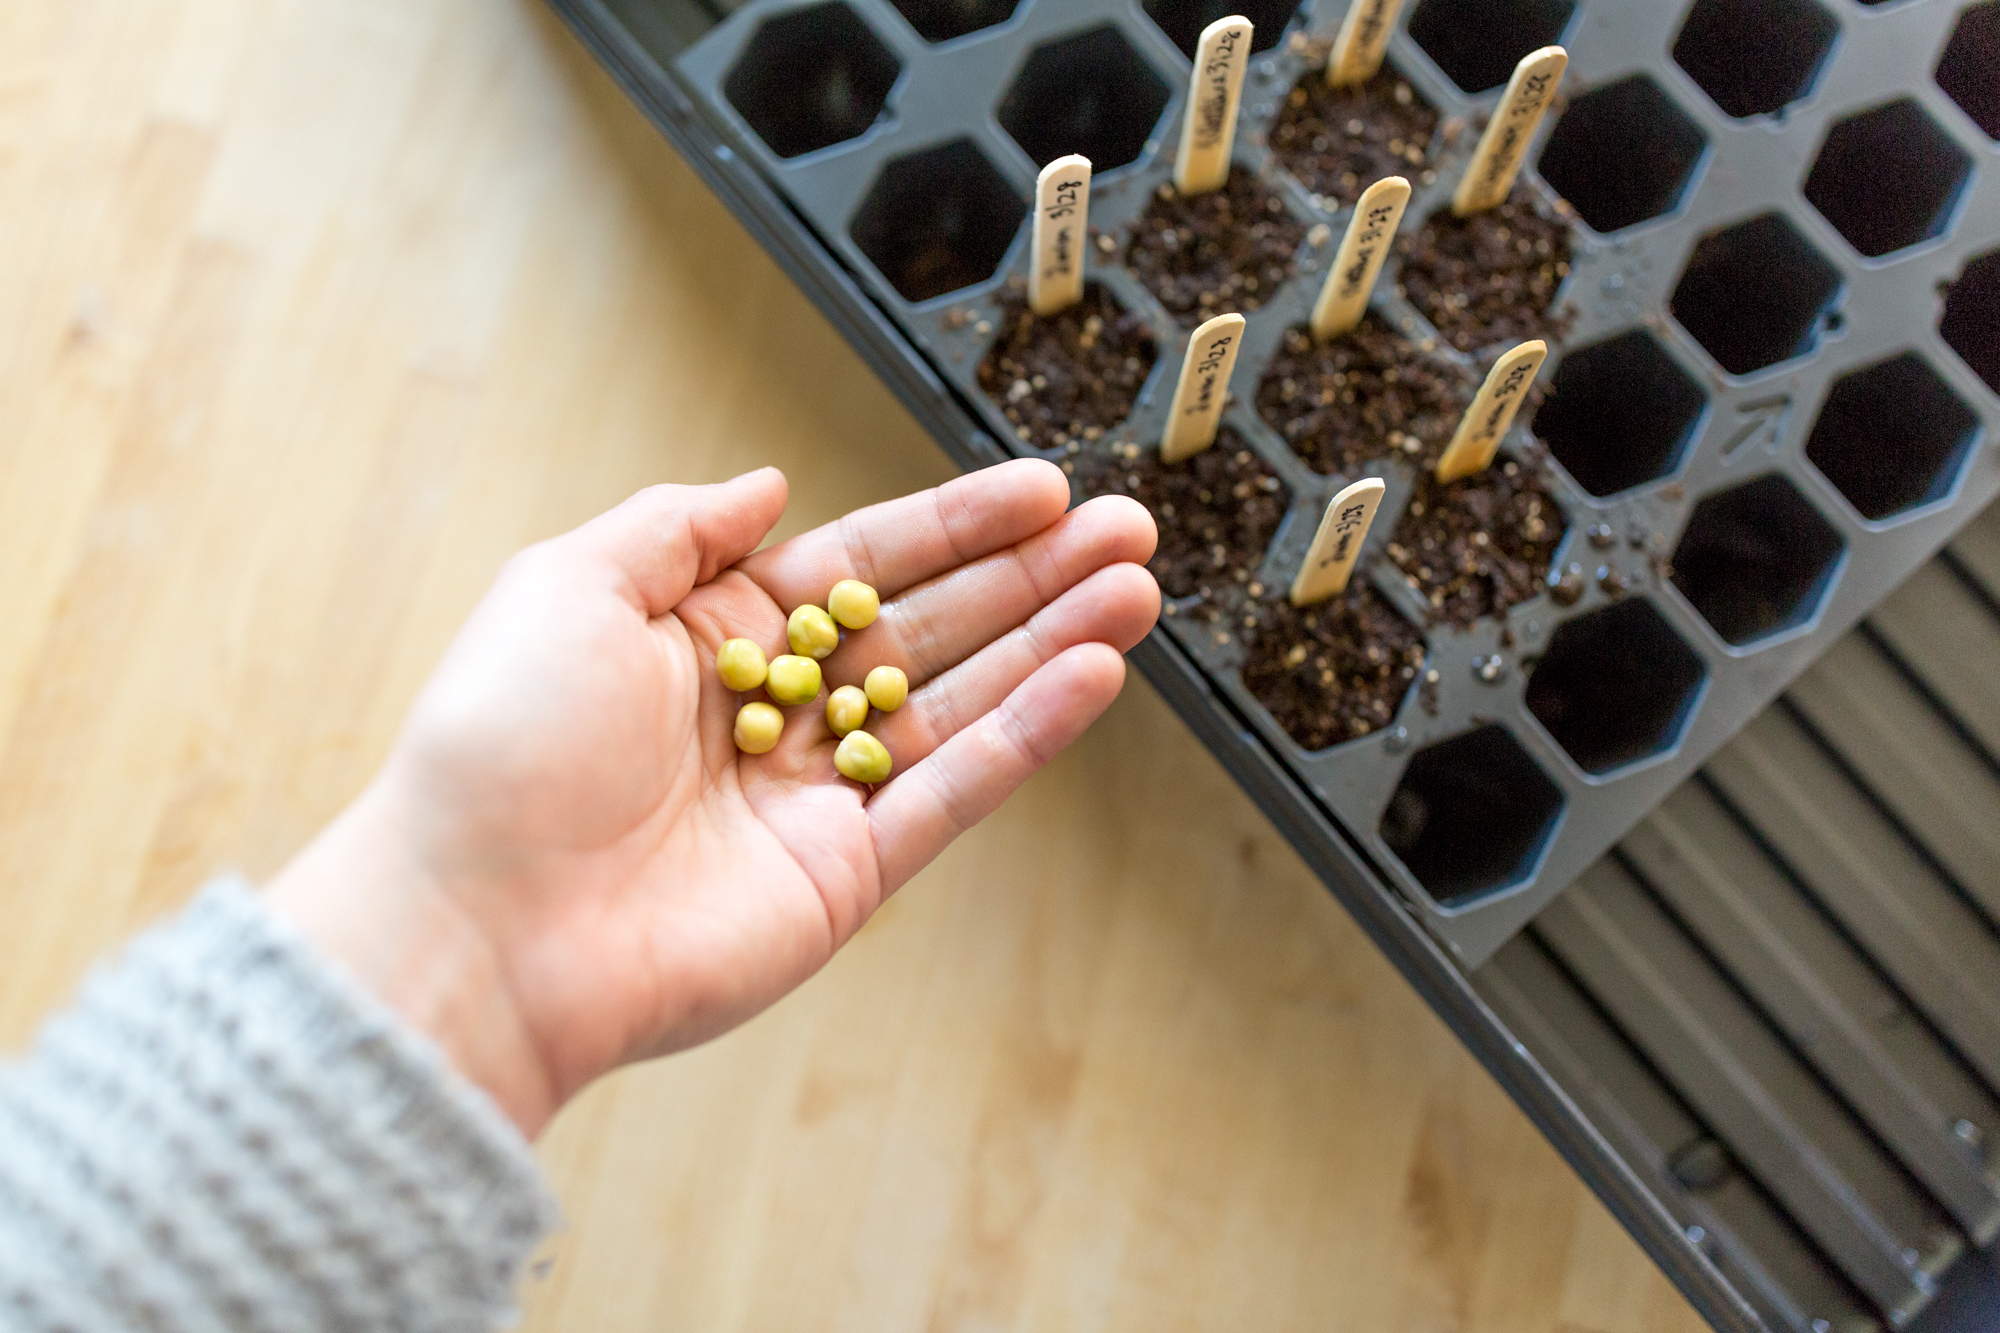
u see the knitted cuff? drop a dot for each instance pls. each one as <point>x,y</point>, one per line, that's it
<point>226,1132</point>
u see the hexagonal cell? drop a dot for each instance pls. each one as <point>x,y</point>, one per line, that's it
<point>1971,322</point>
<point>1619,413</point>
<point>1755,56</point>
<point>1314,136</point>
<point>942,20</point>
<point>1622,153</point>
<point>1965,70</point>
<point>1891,436</point>
<point>1471,815</point>
<point>1616,686</point>
<point>1183,20</point>
<point>1089,94</point>
<point>811,78</point>
<point>1069,377</point>
<point>1887,178</point>
<point>1477,43</point>
<point>1216,512</point>
<point>938,220</point>
<point>1755,294</point>
<point>1756,559</point>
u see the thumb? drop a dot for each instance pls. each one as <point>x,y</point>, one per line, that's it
<point>667,540</point>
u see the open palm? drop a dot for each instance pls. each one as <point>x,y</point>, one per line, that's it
<point>567,795</point>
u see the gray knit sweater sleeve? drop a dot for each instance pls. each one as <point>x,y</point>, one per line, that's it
<point>224,1132</point>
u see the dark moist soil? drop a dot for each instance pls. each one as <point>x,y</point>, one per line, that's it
<point>1480,545</point>
<point>1490,278</point>
<point>1227,250</point>
<point>1216,511</point>
<point>1339,141</point>
<point>1367,393</point>
<point>1070,375</point>
<point>1334,671</point>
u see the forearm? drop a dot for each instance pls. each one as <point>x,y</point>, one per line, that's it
<point>224,1132</point>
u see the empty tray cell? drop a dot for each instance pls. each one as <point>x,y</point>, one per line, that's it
<point>1471,815</point>
<point>1335,671</point>
<point>1619,413</point>
<point>938,220</point>
<point>1339,141</point>
<point>1183,20</point>
<point>1217,511</point>
<point>1616,686</point>
<point>942,20</point>
<point>1355,398</point>
<point>811,78</point>
<point>1477,43</point>
<point>1971,322</point>
<point>1756,559</point>
<point>1888,178</point>
<point>1070,376</point>
<point>1755,56</point>
<point>1892,436</point>
<point>1755,294</point>
<point>1229,249</point>
<point>1965,70</point>
<point>1489,278</point>
<point>1089,94</point>
<point>1479,545</point>
<point>1622,153</point>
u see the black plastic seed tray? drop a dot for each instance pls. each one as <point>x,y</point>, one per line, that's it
<point>1774,399</point>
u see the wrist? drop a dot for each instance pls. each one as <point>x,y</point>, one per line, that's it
<point>361,893</point>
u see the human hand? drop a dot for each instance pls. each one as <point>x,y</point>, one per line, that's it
<point>565,864</point>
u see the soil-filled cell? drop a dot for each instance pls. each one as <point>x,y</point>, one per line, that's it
<point>1489,278</point>
<point>1334,671</point>
<point>1068,376</point>
<point>1090,94</point>
<point>1208,254</point>
<point>811,78</point>
<point>1339,141</point>
<point>1471,815</point>
<point>1616,686</point>
<point>1756,560</point>
<point>1479,545</point>
<point>1891,436</point>
<point>1366,394</point>
<point>938,220</point>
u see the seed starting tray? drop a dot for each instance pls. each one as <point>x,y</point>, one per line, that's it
<point>1777,372</point>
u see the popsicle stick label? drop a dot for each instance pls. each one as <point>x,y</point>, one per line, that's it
<point>1363,41</point>
<point>1497,160</point>
<point>1062,210</point>
<point>1492,412</point>
<point>1203,389</point>
<point>1358,263</point>
<point>1215,94</point>
<point>1337,546</point>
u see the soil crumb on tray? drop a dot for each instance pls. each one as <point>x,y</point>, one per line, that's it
<point>1366,394</point>
<point>1334,671</point>
<point>1070,375</point>
<point>1217,511</point>
<point>1230,249</point>
<point>1489,278</point>
<point>1339,141</point>
<point>1481,544</point>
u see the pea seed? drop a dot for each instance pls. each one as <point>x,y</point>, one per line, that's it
<point>887,687</point>
<point>758,727</point>
<point>846,710</point>
<point>793,680</point>
<point>741,665</point>
<point>854,604</point>
<point>812,632</point>
<point>862,758</point>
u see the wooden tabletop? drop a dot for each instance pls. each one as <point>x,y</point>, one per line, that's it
<point>311,311</point>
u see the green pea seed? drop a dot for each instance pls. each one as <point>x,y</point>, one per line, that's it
<point>741,665</point>
<point>812,632</point>
<point>846,710</point>
<point>793,680</point>
<point>862,758</point>
<point>758,727</point>
<point>854,604</point>
<point>886,688</point>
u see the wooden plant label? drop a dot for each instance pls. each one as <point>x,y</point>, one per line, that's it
<point>1497,160</point>
<point>1062,207</point>
<point>1337,546</point>
<point>1203,388</point>
<point>1344,299</point>
<point>1362,42</point>
<point>1214,95</point>
<point>1492,411</point>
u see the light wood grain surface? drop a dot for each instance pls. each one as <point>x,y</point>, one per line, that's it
<point>313,310</point>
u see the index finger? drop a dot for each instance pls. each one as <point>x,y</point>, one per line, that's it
<point>901,543</point>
